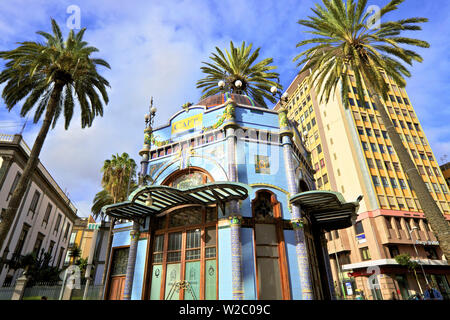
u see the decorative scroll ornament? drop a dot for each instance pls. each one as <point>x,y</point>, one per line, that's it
<point>134,235</point>
<point>235,220</point>
<point>150,139</point>
<point>283,119</point>
<point>228,115</point>
<point>297,223</point>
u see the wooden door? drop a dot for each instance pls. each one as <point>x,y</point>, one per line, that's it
<point>116,288</point>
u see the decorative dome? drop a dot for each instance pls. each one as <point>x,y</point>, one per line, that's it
<point>221,98</point>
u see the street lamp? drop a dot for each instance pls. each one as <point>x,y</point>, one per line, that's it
<point>417,253</point>
<point>282,97</point>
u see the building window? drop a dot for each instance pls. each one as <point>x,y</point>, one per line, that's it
<point>369,132</point>
<point>360,130</point>
<point>21,241</point>
<point>388,165</point>
<point>385,182</point>
<point>370,163</point>
<point>47,215</point>
<point>14,185</point>
<point>365,255</point>
<point>379,164</point>
<point>67,230</point>
<point>325,179</point>
<point>58,222</point>
<point>359,228</point>
<point>319,149</point>
<point>373,146</point>
<point>322,163</point>
<point>34,203</point>
<point>393,251</point>
<point>119,261</point>
<point>38,244</point>
<point>394,183</point>
<point>431,253</point>
<point>385,135</point>
<point>51,246</point>
<point>376,181</point>
<point>402,183</point>
<point>365,146</point>
<point>390,149</point>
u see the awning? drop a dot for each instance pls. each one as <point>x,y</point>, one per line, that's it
<point>327,209</point>
<point>164,198</point>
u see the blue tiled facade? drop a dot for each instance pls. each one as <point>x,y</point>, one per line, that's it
<point>196,137</point>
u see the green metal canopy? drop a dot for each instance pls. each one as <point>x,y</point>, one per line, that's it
<point>328,209</point>
<point>164,198</point>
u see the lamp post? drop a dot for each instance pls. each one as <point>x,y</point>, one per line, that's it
<point>417,253</point>
<point>135,232</point>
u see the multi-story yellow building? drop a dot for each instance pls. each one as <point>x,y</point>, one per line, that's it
<point>352,154</point>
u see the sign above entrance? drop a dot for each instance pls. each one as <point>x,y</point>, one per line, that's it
<point>191,123</point>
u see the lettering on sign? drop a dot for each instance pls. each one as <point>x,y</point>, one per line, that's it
<point>428,243</point>
<point>191,123</point>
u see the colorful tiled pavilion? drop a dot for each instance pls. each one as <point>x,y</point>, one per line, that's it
<point>226,210</point>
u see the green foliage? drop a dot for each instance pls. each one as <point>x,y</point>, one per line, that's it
<point>38,269</point>
<point>82,264</point>
<point>116,175</point>
<point>101,199</point>
<point>36,71</point>
<point>239,64</point>
<point>118,181</point>
<point>404,259</point>
<point>74,252</point>
<point>343,41</point>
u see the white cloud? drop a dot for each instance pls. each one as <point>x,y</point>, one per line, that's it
<point>155,48</point>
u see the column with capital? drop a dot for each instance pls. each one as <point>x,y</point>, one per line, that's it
<point>233,206</point>
<point>134,239</point>
<point>296,218</point>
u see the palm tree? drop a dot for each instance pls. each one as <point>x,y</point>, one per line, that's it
<point>238,64</point>
<point>117,181</point>
<point>101,199</point>
<point>49,76</point>
<point>343,42</point>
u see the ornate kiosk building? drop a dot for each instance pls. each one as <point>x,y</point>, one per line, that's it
<point>227,209</point>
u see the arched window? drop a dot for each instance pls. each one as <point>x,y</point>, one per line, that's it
<point>188,178</point>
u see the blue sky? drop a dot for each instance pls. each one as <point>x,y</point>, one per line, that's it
<point>155,48</point>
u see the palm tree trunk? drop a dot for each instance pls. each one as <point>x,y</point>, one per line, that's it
<point>430,209</point>
<point>31,165</point>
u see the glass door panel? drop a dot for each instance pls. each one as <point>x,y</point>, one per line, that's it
<point>155,290</point>
<point>172,277</point>
<point>269,280</point>
<point>210,280</point>
<point>192,275</point>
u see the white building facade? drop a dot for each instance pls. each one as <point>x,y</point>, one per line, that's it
<point>45,217</point>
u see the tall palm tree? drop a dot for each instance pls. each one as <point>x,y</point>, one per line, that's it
<point>101,199</point>
<point>49,75</point>
<point>239,64</point>
<point>344,42</point>
<point>118,181</point>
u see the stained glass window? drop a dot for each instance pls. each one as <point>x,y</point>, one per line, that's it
<point>188,180</point>
<point>120,261</point>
